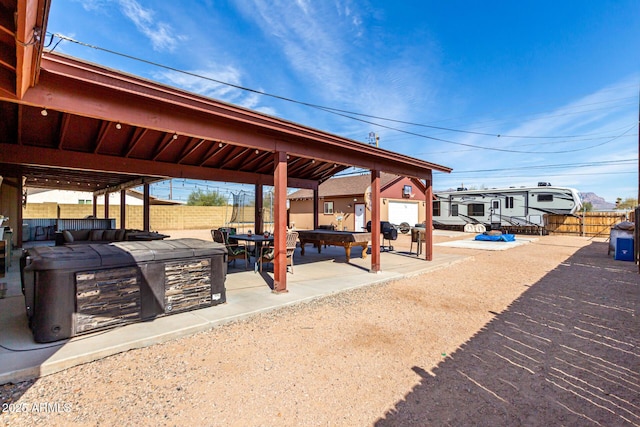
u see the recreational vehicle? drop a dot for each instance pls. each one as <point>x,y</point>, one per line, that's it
<point>503,207</point>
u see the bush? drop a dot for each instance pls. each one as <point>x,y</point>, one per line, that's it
<point>208,198</point>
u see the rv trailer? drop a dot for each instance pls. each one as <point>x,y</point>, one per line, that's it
<point>499,208</point>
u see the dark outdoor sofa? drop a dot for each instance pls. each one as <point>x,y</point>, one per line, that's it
<point>96,236</point>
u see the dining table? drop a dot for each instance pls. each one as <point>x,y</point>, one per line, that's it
<point>257,239</point>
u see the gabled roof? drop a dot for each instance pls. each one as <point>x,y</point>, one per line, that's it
<point>354,185</point>
<point>70,123</point>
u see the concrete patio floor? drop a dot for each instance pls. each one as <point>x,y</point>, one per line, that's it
<point>314,276</point>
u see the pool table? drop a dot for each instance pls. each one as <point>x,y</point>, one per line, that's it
<point>346,239</point>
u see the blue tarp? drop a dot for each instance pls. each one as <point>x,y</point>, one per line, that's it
<point>498,238</point>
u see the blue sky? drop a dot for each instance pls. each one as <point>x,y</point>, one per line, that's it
<point>506,93</point>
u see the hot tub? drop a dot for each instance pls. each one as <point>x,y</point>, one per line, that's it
<point>72,290</point>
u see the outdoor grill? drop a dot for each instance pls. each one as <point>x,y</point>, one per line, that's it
<point>389,232</point>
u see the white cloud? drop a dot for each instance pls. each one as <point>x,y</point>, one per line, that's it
<point>93,5</point>
<point>311,35</point>
<point>160,33</point>
<point>605,122</point>
<point>208,82</point>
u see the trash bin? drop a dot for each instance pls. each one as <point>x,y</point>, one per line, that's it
<point>624,249</point>
<point>621,230</point>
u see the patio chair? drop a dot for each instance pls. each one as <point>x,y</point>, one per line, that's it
<point>417,237</point>
<point>234,251</point>
<point>267,254</point>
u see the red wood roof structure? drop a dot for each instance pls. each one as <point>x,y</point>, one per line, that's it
<point>70,124</point>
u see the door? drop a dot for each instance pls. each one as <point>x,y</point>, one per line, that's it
<point>496,213</point>
<point>359,212</point>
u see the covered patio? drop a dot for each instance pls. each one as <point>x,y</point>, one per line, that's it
<point>69,124</point>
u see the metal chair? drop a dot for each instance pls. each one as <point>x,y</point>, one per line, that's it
<point>417,237</point>
<point>267,253</point>
<point>234,251</point>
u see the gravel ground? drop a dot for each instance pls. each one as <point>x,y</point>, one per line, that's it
<point>542,334</point>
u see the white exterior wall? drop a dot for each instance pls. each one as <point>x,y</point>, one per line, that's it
<point>74,197</point>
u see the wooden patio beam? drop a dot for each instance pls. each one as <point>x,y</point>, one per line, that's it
<point>20,154</point>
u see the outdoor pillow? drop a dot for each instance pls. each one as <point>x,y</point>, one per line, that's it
<point>68,237</point>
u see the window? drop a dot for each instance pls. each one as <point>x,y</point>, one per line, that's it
<point>84,202</point>
<point>454,210</point>
<point>476,209</point>
<point>545,197</point>
<point>328,207</point>
<point>508,201</point>
<point>406,191</point>
<point>436,208</point>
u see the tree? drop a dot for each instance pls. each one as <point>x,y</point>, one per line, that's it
<point>626,204</point>
<point>586,207</point>
<point>206,198</point>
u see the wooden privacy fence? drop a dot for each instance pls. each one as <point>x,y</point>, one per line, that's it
<point>590,224</point>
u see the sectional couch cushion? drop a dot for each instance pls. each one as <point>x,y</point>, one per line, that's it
<point>92,236</point>
<point>96,235</point>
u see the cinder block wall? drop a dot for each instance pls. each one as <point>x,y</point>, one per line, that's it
<point>161,217</point>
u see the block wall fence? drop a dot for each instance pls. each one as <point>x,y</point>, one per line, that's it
<point>161,217</point>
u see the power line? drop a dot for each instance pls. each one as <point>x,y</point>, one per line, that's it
<point>555,174</point>
<point>564,165</point>
<point>488,148</point>
<point>332,110</point>
<point>554,166</point>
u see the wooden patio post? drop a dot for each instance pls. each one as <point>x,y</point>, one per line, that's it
<point>428,221</point>
<point>19,201</point>
<point>146,222</point>
<point>258,218</point>
<point>94,208</point>
<point>106,205</point>
<point>315,208</point>
<point>375,221</point>
<point>123,209</point>
<point>280,222</point>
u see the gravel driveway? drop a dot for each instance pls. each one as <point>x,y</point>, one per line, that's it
<point>542,334</point>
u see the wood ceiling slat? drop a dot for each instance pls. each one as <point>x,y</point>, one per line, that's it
<point>234,155</point>
<point>20,119</point>
<point>211,153</point>
<point>257,163</point>
<point>138,134</point>
<point>189,151</point>
<point>164,145</point>
<point>64,127</point>
<point>102,134</point>
<point>301,165</point>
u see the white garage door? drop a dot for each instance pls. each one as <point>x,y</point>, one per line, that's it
<point>400,212</point>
